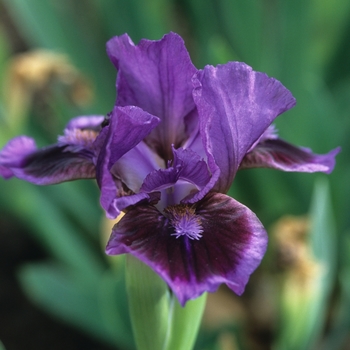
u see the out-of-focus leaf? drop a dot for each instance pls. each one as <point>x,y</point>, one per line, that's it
<point>217,339</point>
<point>69,27</point>
<point>339,330</point>
<point>338,70</point>
<point>242,22</point>
<point>304,303</point>
<point>323,234</point>
<point>201,15</point>
<point>220,51</point>
<point>329,22</point>
<point>50,226</point>
<point>324,245</point>
<point>149,19</point>
<point>74,298</point>
<point>80,201</point>
<point>113,304</point>
<point>4,51</point>
<point>293,22</point>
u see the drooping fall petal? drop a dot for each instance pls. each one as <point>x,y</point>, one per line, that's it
<point>71,158</point>
<point>278,154</point>
<point>194,248</point>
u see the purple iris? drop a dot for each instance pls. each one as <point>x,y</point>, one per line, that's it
<point>167,154</point>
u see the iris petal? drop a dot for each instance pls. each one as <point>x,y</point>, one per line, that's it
<point>91,122</point>
<point>156,76</point>
<point>231,246</point>
<point>71,158</point>
<point>12,155</point>
<point>235,105</point>
<point>278,154</point>
<point>186,166</point>
<point>135,165</point>
<point>49,165</point>
<point>127,127</point>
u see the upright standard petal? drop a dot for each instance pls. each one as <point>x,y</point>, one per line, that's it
<point>235,105</point>
<point>134,166</point>
<point>194,248</point>
<point>278,154</point>
<point>186,166</point>
<point>156,76</point>
<point>127,127</point>
<point>71,158</point>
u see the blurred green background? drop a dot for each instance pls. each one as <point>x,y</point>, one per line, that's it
<point>53,66</point>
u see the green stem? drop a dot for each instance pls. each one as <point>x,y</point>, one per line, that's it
<point>159,322</point>
<point>148,298</point>
<point>185,323</point>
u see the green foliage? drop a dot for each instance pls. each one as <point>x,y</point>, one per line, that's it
<point>96,305</point>
<point>302,43</point>
<point>304,306</point>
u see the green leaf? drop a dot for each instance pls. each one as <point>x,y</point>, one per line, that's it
<point>97,307</point>
<point>68,294</point>
<point>51,227</point>
<point>329,21</point>
<point>113,303</point>
<point>305,300</point>
<point>323,235</point>
<point>242,23</point>
<point>338,334</point>
<point>202,16</point>
<point>83,204</point>
<point>69,27</point>
<point>323,244</point>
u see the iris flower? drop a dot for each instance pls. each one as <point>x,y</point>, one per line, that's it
<point>167,155</point>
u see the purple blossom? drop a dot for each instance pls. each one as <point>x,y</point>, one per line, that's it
<point>167,154</point>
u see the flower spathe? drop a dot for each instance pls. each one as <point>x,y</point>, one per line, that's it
<point>167,155</point>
